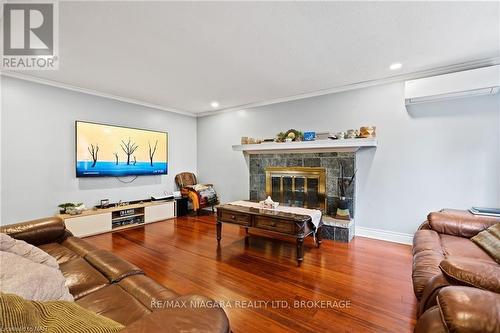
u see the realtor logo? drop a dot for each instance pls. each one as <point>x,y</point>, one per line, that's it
<point>29,36</point>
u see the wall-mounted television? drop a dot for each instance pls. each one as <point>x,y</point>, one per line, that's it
<point>115,151</point>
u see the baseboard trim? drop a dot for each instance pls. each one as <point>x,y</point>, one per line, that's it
<point>390,236</point>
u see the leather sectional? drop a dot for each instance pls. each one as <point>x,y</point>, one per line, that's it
<point>112,287</point>
<point>456,282</point>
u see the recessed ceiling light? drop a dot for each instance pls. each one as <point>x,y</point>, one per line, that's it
<point>395,66</point>
<point>214,104</point>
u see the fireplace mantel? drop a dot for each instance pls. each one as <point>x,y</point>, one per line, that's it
<point>345,145</point>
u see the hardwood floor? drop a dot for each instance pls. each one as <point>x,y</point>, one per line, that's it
<point>372,277</point>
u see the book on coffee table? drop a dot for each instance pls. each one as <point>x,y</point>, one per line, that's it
<point>485,211</point>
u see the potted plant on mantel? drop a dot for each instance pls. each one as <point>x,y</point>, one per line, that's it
<point>343,206</point>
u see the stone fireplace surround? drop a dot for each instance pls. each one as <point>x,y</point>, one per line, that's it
<point>333,229</point>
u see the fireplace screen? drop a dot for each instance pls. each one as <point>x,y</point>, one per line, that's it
<point>297,186</point>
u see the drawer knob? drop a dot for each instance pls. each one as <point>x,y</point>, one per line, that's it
<point>233,217</point>
<point>273,224</point>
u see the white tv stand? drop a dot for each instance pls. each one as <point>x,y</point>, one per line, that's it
<point>98,221</point>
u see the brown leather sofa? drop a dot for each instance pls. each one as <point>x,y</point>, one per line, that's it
<point>456,282</point>
<point>112,287</point>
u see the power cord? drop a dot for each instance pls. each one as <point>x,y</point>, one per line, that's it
<point>126,182</point>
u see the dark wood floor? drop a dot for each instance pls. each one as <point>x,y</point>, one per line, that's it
<point>374,276</point>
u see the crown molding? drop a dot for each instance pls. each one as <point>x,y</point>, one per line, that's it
<point>363,84</point>
<point>56,84</point>
<point>358,85</point>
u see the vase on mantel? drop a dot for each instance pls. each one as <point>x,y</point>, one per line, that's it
<point>343,209</point>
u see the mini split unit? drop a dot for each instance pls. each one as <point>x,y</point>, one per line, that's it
<point>474,82</point>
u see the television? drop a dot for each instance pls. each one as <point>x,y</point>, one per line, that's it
<point>114,151</point>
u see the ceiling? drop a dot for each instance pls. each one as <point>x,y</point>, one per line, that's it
<point>184,55</point>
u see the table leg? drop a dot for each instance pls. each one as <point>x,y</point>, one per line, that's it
<point>219,231</point>
<point>318,237</point>
<point>300,250</point>
<point>246,230</point>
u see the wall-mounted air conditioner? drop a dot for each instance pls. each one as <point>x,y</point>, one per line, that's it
<point>474,82</point>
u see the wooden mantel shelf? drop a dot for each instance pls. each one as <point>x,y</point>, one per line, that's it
<point>345,145</point>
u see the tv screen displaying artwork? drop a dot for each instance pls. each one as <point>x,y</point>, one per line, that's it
<point>114,151</point>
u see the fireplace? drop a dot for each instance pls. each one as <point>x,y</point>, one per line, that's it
<point>310,180</point>
<point>297,186</point>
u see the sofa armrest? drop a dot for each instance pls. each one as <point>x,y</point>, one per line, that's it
<point>459,223</point>
<point>466,309</point>
<point>183,314</point>
<point>38,232</point>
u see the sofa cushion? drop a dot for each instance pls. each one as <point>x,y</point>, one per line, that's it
<point>19,315</point>
<point>31,280</point>
<point>146,290</point>
<point>469,310</point>
<point>78,246</point>
<point>61,253</point>
<point>193,318</point>
<point>462,247</point>
<point>113,267</point>
<point>115,303</point>
<point>471,272</point>
<point>82,278</point>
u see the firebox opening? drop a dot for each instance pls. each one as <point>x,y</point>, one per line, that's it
<point>297,186</point>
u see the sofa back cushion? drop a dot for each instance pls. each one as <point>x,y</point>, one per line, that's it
<point>459,223</point>
<point>474,273</point>
<point>37,232</point>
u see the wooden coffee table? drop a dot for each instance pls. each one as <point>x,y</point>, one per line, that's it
<point>273,222</point>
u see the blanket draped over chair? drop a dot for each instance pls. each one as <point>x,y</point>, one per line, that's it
<point>200,195</point>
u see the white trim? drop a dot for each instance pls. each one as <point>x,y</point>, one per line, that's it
<point>94,92</point>
<point>386,235</point>
<point>364,84</point>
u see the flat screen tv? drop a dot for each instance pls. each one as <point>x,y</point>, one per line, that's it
<point>114,151</point>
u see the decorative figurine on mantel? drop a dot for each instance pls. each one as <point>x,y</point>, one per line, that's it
<point>289,136</point>
<point>343,206</point>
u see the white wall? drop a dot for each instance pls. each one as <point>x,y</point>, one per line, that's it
<point>37,149</point>
<point>440,155</point>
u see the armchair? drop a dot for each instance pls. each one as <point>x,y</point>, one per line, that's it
<point>200,195</point>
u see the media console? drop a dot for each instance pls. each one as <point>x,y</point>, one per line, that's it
<point>98,221</point>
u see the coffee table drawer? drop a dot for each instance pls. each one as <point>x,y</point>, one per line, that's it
<point>237,218</point>
<point>274,225</point>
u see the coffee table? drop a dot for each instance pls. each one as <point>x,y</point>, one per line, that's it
<point>271,221</point>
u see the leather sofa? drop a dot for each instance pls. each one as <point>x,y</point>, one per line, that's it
<point>456,282</point>
<point>112,287</point>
